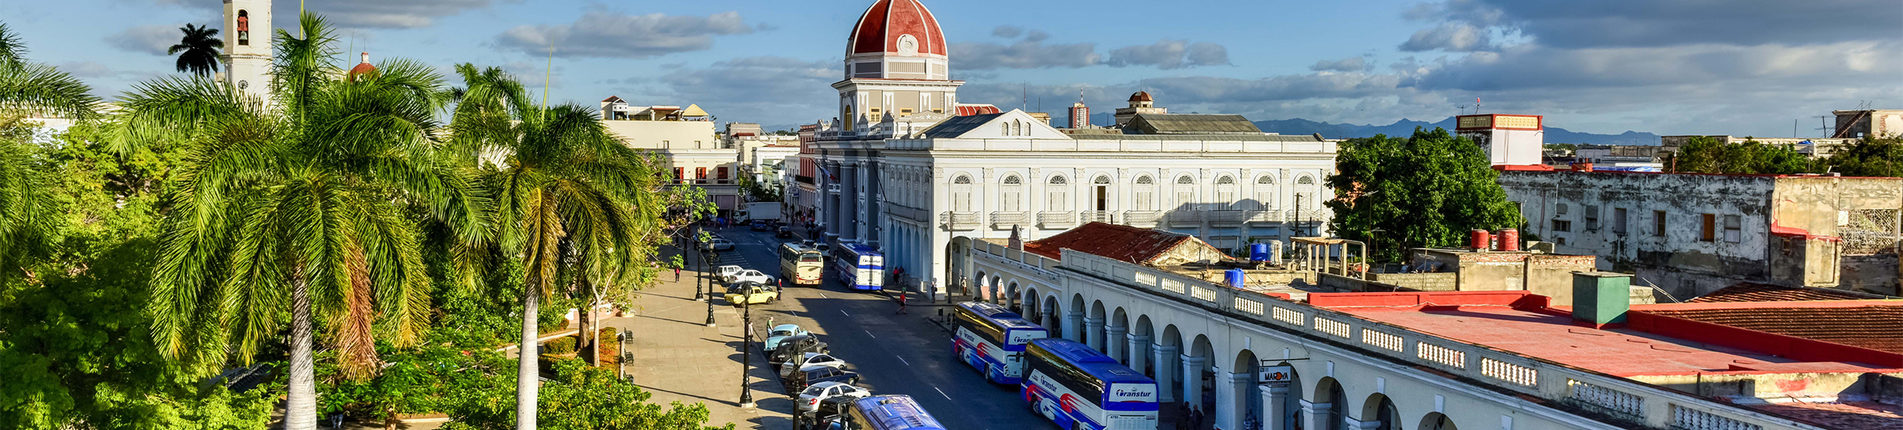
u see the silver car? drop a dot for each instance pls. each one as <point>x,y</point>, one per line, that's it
<point>814,395</point>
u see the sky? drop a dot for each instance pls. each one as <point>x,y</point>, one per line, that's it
<point>1740,67</point>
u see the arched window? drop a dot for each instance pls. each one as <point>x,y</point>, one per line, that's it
<point>1145,194</point>
<point>1265,192</point>
<point>1185,191</point>
<point>1011,197</point>
<point>1057,194</point>
<point>1226,191</point>
<point>961,194</point>
<point>1004,129</point>
<point>1100,198</point>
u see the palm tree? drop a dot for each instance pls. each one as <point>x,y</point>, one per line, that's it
<point>198,51</point>
<point>571,200</point>
<point>296,207</point>
<point>28,89</point>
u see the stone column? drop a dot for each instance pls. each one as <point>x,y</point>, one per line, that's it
<point>1193,381</point>
<point>1354,424</point>
<point>1111,346</point>
<point>1273,410</point>
<point>1232,391</point>
<point>1165,372</point>
<point>1093,333</point>
<point>1314,415</point>
<point>1139,353</point>
<point>1074,326</point>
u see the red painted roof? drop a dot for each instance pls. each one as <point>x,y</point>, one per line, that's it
<point>883,23</point>
<point>974,110</point>
<point>363,68</point>
<point>1749,292</point>
<point>1141,96</point>
<point>1119,242</point>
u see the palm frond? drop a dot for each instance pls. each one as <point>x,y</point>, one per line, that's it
<point>37,88</point>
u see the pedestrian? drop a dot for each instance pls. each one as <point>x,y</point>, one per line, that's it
<point>901,300</point>
<point>677,273</point>
<point>1197,421</point>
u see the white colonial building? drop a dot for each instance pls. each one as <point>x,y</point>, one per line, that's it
<point>904,170</point>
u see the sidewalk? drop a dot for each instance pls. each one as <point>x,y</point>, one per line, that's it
<point>679,359</point>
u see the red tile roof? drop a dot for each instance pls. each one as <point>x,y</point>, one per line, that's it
<point>1119,242</point>
<point>975,110</point>
<point>1748,292</point>
<point>1842,415</point>
<point>1871,326</point>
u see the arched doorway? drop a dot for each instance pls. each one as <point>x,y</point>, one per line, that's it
<point>1200,376</point>
<point>1437,421</point>
<point>1094,328</point>
<point>1117,336</point>
<point>1169,368</point>
<point>1378,413</point>
<point>1328,392</point>
<point>985,292</point>
<point>1074,319</point>
<point>1141,338</point>
<point>1289,414</point>
<point>1245,400</point>
<point>1051,315</point>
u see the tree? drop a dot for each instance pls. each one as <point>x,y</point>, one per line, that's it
<point>198,52</point>
<point>581,397</point>
<point>1427,190</point>
<point>29,89</point>
<point>1869,157</point>
<point>292,211</point>
<point>573,202</point>
<point>1709,155</point>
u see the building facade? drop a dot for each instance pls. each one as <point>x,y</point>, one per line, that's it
<point>686,136</point>
<point>1690,234</point>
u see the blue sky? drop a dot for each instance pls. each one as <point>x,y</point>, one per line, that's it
<point>1745,67</point>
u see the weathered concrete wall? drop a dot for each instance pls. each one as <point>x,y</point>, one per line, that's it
<point>1552,275</point>
<point>1418,281</point>
<point>1871,274</point>
<point>1592,201</point>
<point>1765,385</point>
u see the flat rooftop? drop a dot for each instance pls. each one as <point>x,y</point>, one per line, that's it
<point>1617,352</point>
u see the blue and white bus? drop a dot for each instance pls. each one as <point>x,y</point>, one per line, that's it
<point>859,266</point>
<point>889,413</point>
<point>1080,388</point>
<point>991,338</point>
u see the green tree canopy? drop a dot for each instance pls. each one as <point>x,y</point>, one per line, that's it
<point>1869,157</point>
<point>1709,155</point>
<point>1427,190</point>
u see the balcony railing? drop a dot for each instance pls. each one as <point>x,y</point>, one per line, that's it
<point>1185,218</point>
<point>1144,219</point>
<point>1266,216</point>
<point>1007,220</point>
<point>1226,218</point>
<point>1096,216</point>
<point>959,221</point>
<point>910,213</point>
<point>1056,219</point>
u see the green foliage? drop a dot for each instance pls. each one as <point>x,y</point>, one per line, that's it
<point>1708,155</point>
<point>198,50</point>
<point>564,345</point>
<point>1427,190</point>
<point>1869,157</point>
<point>580,397</point>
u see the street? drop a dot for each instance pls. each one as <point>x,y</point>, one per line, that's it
<point>893,353</point>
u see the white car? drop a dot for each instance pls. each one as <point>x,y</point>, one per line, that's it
<point>810,399</point>
<point>809,361</point>
<point>750,276</point>
<point>725,273</point>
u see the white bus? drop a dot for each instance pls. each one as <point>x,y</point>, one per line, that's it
<point>1080,388</point>
<point>991,338</point>
<point>800,265</point>
<point>860,266</point>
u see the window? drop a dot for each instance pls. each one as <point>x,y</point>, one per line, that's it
<point>700,173</point>
<point>1057,194</point>
<point>1618,221</point>
<point>1145,194</point>
<point>1592,218</point>
<point>1013,194</point>
<point>680,174</point>
<point>1734,228</point>
<point>1708,228</point>
<point>961,194</point>
<point>1225,190</point>
<point>1101,186</point>
<point>721,173</point>
<point>1658,223</point>
<point>1559,209</point>
<point>1561,225</point>
<point>1185,191</point>
<point>1265,193</point>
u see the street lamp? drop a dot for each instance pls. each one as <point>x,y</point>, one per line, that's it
<point>627,337</point>
<point>710,286</point>
<point>746,350</point>
<point>702,276</point>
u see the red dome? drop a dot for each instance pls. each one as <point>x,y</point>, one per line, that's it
<point>884,23</point>
<point>1141,96</point>
<point>364,68</point>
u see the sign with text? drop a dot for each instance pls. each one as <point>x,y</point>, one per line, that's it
<point>1276,375</point>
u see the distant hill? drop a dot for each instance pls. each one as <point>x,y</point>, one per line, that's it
<point>1406,127</point>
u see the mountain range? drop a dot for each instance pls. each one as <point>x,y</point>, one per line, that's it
<point>1406,127</point>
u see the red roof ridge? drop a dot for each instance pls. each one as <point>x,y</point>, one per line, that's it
<point>1808,304</point>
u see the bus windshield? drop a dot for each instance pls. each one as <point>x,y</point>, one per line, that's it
<point>801,265</point>
<point>898,412</point>
<point>860,266</point>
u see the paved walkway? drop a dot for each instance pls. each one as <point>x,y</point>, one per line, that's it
<point>678,358</point>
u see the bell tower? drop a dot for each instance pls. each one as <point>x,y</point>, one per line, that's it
<point>248,47</point>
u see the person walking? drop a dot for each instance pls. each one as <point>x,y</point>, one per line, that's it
<point>901,300</point>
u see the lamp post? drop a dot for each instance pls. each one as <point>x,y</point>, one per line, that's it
<point>710,286</point>
<point>627,337</point>
<point>702,276</point>
<point>746,350</point>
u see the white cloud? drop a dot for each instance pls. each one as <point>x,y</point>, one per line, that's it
<point>362,13</point>
<point>601,34</point>
<point>1170,54</point>
<point>1350,64</point>
<point>146,39</point>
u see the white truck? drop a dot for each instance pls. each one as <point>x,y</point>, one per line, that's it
<point>769,211</point>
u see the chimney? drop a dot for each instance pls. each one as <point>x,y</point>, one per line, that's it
<point>1601,298</point>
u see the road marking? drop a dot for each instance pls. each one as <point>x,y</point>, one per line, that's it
<point>869,333</point>
<point>843,311</point>
<point>823,296</point>
<point>902,360</point>
<point>941,393</point>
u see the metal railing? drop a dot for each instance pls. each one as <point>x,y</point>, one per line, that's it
<point>1639,403</point>
<point>1007,220</point>
<point>1056,219</point>
<point>1266,216</point>
<point>959,221</point>
<point>1226,217</point>
<point>1096,216</point>
<point>1145,219</point>
<point>1185,218</point>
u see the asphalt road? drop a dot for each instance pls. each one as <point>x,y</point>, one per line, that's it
<point>893,353</point>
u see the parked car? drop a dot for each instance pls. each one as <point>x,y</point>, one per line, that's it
<point>719,244</point>
<point>748,276</point>
<point>814,394</point>
<point>781,332</point>
<point>807,361</point>
<point>796,346</point>
<point>760,225</point>
<point>755,293</point>
<point>725,273</point>
<point>783,232</point>
<point>820,374</point>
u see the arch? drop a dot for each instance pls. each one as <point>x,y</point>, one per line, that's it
<point>961,180</point>
<point>1185,180</point>
<point>1051,315</point>
<point>1437,421</point>
<point>1226,191</point>
<point>1226,180</point>
<point>1329,391</point>
<point>1380,409</point>
<point>1013,180</point>
<point>1059,179</point>
<point>1101,180</point>
<point>1096,336</point>
<point>1266,192</point>
<point>1057,193</point>
<point>1305,180</point>
<point>1292,401</point>
<point>1145,180</point>
<point>1028,304</point>
<point>1171,338</point>
<point>1203,397</point>
<point>1144,193</point>
<point>1011,194</point>
<point>983,287</point>
<point>960,194</point>
<point>1247,401</point>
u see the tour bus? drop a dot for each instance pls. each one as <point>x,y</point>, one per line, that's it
<point>860,266</point>
<point>1080,388</point>
<point>896,412</point>
<point>990,338</point>
<point>800,265</point>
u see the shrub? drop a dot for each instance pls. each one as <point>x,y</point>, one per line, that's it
<point>564,345</point>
